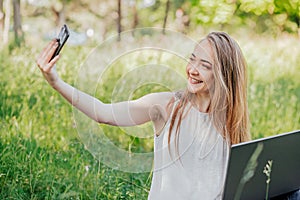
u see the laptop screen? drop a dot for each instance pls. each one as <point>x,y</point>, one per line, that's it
<point>264,168</point>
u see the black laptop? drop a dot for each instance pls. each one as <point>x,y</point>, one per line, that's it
<point>264,168</point>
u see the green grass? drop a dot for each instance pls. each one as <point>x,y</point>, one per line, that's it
<point>274,86</point>
<point>41,156</point>
<point>29,171</point>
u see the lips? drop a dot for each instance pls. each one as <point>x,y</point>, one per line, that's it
<point>194,81</point>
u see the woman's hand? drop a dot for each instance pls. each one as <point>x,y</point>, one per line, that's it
<point>46,65</point>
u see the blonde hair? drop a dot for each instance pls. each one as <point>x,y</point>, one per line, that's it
<point>228,108</point>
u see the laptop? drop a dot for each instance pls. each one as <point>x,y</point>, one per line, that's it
<point>264,168</point>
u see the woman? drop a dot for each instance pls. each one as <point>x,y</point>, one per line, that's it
<point>193,128</point>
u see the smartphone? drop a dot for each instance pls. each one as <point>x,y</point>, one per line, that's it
<point>61,39</point>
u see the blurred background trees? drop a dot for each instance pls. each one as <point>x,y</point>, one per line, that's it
<point>23,18</point>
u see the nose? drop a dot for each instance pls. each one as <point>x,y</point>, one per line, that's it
<point>193,70</point>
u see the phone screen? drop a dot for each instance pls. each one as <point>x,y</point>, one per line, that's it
<point>61,39</point>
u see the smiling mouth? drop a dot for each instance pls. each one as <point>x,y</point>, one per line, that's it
<point>195,81</point>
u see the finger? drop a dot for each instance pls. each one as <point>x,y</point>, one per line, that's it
<point>48,51</point>
<point>40,60</point>
<point>52,63</point>
<point>47,48</point>
<point>51,51</point>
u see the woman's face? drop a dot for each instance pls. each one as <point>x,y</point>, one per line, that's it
<point>199,69</point>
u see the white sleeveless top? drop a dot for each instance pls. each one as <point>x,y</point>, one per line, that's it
<point>197,167</point>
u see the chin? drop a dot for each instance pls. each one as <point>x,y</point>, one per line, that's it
<point>194,90</point>
<point>197,90</point>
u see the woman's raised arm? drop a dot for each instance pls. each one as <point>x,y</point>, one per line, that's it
<point>128,113</point>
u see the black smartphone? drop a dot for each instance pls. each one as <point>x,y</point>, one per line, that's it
<point>61,39</point>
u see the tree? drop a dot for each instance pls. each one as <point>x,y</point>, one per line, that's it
<point>19,36</point>
<point>217,12</point>
<point>135,16</point>
<point>290,10</point>
<point>119,20</point>
<point>1,16</point>
<point>58,8</point>
<point>166,15</point>
<point>6,21</point>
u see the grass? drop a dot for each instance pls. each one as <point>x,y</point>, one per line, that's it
<point>42,157</point>
<point>29,171</point>
<point>274,89</point>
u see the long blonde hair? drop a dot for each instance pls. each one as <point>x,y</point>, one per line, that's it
<point>228,108</point>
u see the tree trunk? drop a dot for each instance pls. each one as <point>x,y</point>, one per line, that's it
<point>17,23</point>
<point>119,20</point>
<point>166,15</point>
<point>6,21</point>
<point>62,17</point>
<point>58,8</point>
<point>1,17</point>
<point>135,16</point>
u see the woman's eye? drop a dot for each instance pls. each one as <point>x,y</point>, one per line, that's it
<point>205,66</point>
<point>192,59</point>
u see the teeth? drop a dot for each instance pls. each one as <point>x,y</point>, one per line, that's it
<point>195,81</point>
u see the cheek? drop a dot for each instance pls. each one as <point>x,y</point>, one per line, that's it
<point>210,80</point>
<point>187,68</point>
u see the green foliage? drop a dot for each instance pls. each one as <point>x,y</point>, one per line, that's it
<point>287,14</point>
<point>256,7</point>
<point>213,12</point>
<point>263,16</point>
<point>41,156</point>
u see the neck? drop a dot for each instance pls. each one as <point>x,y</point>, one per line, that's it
<point>201,102</point>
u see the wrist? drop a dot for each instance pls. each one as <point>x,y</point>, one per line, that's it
<point>56,84</point>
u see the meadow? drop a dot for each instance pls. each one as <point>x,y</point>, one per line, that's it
<point>42,157</point>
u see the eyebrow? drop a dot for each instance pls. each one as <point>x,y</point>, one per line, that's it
<point>206,61</point>
<point>202,60</point>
